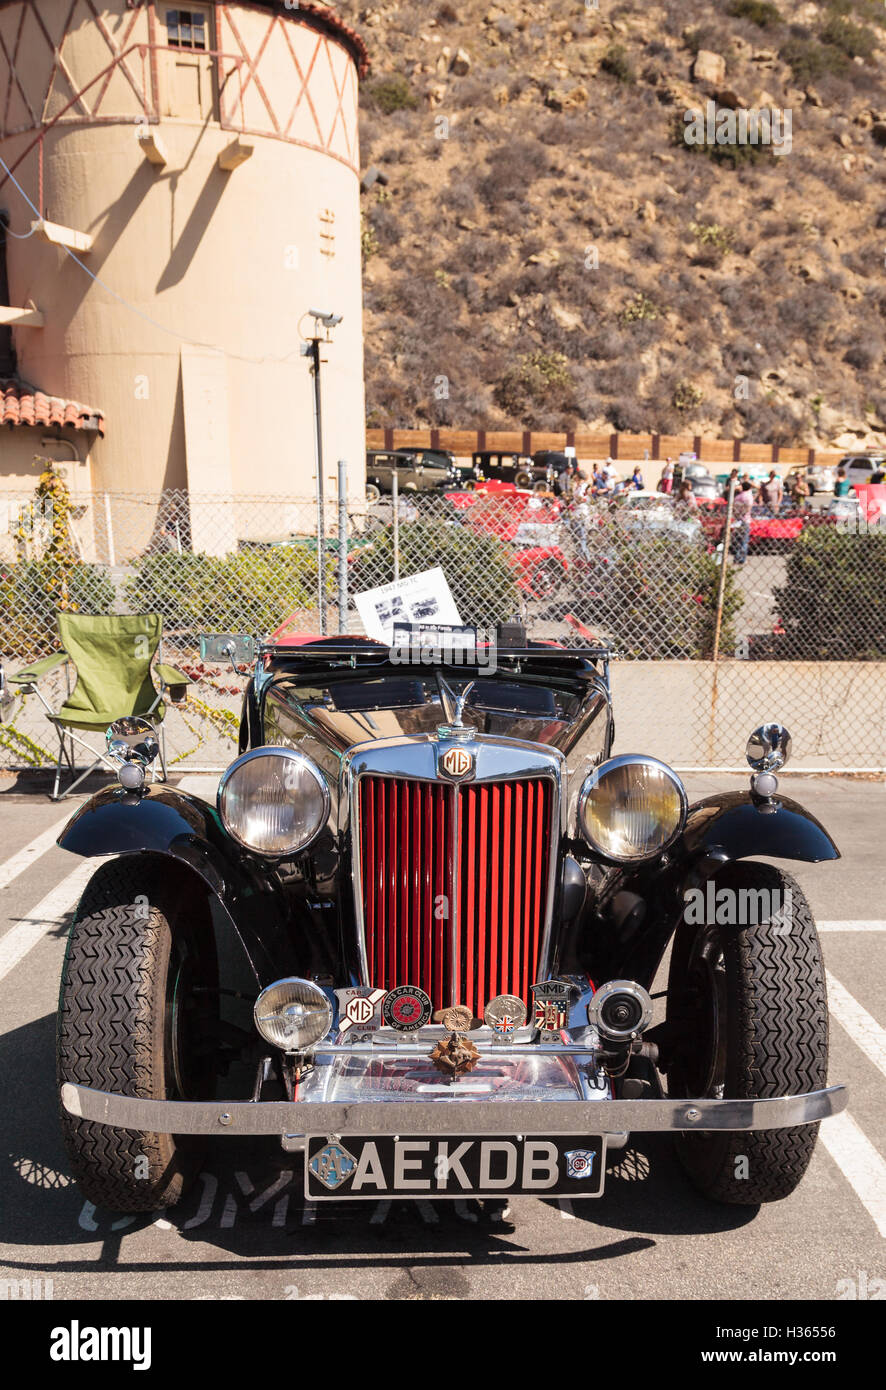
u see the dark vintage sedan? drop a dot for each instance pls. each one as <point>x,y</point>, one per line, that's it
<point>416,470</point>
<point>451,899</point>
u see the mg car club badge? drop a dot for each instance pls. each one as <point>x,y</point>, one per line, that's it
<point>457,762</point>
<point>551,1008</point>
<point>358,1009</point>
<point>504,1015</point>
<point>406,1008</point>
<point>579,1163</point>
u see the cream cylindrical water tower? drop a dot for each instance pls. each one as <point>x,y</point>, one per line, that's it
<point>201,163</point>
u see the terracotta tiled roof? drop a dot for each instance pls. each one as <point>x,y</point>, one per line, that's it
<point>21,404</point>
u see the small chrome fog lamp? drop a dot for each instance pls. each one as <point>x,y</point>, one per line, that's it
<point>768,749</point>
<point>132,743</point>
<point>293,1014</point>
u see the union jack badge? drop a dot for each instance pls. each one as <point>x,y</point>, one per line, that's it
<point>579,1163</point>
<point>551,1012</point>
<point>505,1014</point>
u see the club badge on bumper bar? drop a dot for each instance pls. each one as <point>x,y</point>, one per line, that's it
<point>551,1008</point>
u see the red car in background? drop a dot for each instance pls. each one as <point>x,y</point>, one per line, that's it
<point>527,521</point>
<point>768,532</point>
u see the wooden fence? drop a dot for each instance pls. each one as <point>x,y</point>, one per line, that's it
<point>631,447</point>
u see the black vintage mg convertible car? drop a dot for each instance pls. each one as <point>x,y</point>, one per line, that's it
<point>450,901</point>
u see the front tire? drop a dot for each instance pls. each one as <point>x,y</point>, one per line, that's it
<point>749,1008</point>
<point>137,1015</point>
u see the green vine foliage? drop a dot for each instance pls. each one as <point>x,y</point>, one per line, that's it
<point>35,587</point>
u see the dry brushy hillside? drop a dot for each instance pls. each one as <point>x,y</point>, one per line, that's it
<point>563,261</point>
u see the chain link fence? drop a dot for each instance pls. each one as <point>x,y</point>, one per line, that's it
<point>796,615</point>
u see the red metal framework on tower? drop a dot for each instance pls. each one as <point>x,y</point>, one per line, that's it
<point>137,62</point>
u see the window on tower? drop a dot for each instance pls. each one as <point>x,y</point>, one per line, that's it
<point>186,29</point>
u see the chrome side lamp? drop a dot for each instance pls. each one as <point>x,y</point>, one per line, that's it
<point>768,749</point>
<point>132,744</point>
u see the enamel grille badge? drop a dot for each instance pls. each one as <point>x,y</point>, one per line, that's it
<point>457,762</point>
<point>551,1011</point>
<point>406,1008</point>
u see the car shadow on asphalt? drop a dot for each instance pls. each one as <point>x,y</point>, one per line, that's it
<point>248,1202</point>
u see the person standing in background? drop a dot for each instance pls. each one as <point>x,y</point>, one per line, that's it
<point>666,482</point>
<point>841,486</point>
<point>772,492</point>
<point>741,513</point>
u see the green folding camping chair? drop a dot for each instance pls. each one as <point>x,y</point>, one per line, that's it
<point>112,656</point>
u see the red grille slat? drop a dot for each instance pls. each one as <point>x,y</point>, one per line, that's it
<point>413,926</point>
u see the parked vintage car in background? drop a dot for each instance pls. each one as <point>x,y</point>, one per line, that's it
<point>449,899</point>
<point>543,471</point>
<point>768,533</point>
<point>418,470</point>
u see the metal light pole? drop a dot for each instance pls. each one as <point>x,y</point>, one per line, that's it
<point>311,349</point>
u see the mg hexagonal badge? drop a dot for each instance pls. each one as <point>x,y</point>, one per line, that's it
<point>457,762</point>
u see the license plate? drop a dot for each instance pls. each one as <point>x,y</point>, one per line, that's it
<point>439,1167</point>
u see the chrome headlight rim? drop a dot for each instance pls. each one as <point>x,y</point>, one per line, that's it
<point>295,756</point>
<point>592,781</point>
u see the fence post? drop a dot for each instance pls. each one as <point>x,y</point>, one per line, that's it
<point>109,526</point>
<point>342,545</point>
<point>395,497</point>
<point>721,589</point>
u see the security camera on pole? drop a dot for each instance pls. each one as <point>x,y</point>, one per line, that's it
<point>311,348</point>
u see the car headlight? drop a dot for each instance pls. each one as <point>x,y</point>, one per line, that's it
<point>293,1014</point>
<point>631,807</point>
<point>274,801</point>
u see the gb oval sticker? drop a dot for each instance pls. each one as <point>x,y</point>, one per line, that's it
<point>457,762</point>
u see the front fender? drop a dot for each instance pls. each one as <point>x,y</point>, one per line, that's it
<point>736,825</point>
<point>160,820</point>
<point>722,828</point>
<point>157,820</point>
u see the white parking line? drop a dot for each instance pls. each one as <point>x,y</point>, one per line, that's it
<point>853,926</point>
<point>864,1030</point>
<point>12,867</point>
<point>50,912</point>
<point>859,1162</point>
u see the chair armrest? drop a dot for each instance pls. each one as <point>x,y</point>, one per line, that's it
<point>29,674</point>
<point>170,675</point>
<point>173,682</point>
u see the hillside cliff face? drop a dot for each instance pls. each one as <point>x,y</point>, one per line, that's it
<point>548,252</point>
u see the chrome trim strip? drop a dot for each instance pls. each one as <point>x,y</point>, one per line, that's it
<point>447,1116</point>
<point>416,758</point>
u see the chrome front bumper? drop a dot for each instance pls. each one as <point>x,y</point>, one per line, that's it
<point>447,1115</point>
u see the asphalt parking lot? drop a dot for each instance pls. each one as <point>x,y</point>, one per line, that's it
<point>245,1231</point>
